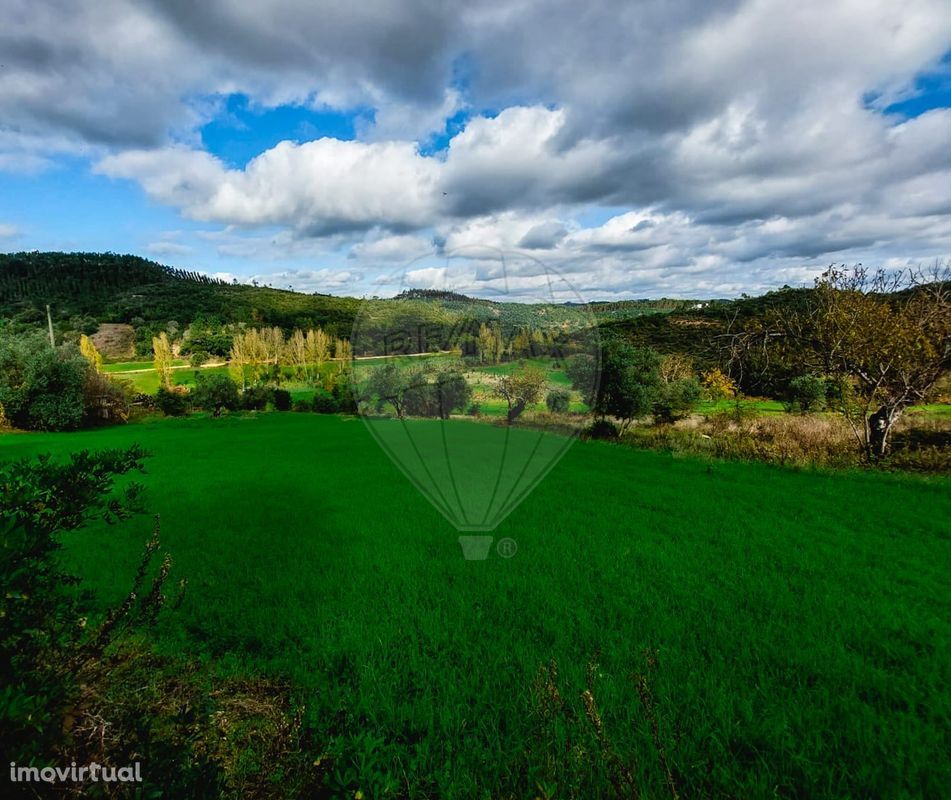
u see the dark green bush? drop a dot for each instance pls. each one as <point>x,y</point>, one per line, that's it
<point>344,397</point>
<point>41,387</point>
<point>39,635</point>
<point>78,693</point>
<point>602,429</point>
<point>325,403</point>
<point>254,398</point>
<point>806,393</point>
<point>171,403</point>
<point>558,401</point>
<point>281,399</point>
<point>676,399</point>
<point>215,393</point>
<point>198,357</point>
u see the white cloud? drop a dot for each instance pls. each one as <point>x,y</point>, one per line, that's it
<point>8,231</point>
<point>733,139</point>
<point>392,248</point>
<point>317,188</point>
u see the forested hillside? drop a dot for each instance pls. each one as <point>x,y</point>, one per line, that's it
<point>123,288</point>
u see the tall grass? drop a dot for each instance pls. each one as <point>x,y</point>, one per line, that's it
<point>800,617</point>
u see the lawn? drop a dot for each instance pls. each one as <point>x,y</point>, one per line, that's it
<point>801,618</point>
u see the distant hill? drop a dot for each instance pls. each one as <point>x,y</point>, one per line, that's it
<point>88,290</point>
<point>124,289</point>
<point>128,289</point>
<point>697,329</point>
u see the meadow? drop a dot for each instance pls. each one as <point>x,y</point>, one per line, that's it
<point>800,618</point>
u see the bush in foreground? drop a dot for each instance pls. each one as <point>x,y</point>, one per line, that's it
<point>78,693</point>
<point>42,387</point>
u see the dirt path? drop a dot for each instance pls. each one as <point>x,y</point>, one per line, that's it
<point>225,363</point>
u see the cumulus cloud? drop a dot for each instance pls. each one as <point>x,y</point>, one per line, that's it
<point>722,144</point>
<point>317,188</point>
<point>398,248</point>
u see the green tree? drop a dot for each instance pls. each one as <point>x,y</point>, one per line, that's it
<point>627,383</point>
<point>582,370</point>
<point>215,392</point>
<point>520,389</point>
<point>453,392</point>
<point>675,399</point>
<point>446,392</point>
<point>389,384</point>
<point>42,388</point>
<point>807,393</point>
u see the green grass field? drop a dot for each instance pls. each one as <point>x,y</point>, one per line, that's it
<point>801,618</point>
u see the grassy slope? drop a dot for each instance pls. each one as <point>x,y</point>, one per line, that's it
<point>801,618</point>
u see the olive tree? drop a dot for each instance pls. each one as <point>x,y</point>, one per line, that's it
<point>882,340</point>
<point>520,389</point>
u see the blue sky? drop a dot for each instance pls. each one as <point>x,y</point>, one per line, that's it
<point>643,154</point>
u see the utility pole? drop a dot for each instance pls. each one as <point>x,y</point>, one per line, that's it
<point>49,322</point>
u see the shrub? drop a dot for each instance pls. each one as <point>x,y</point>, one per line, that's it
<point>474,410</point>
<point>41,387</point>
<point>105,400</point>
<point>325,403</point>
<point>346,402</point>
<point>254,398</point>
<point>558,401</point>
<point>302,405</point>
<point>198,358</point>
<point>281,399</point>
<point>171,402</point>
<point>676,399</point>
<point>717,385</point>
<point>806,393</point>
<point>215,393</point>
<point>38,631</point>
<point>82,693</point>
<point>602,429</point>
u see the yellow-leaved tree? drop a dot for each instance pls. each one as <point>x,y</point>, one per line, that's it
<point>162,351</point>
<point>90,353</point>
